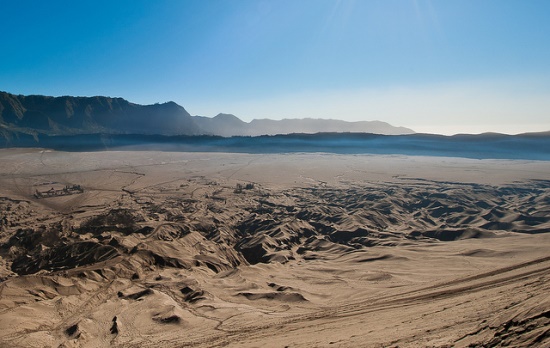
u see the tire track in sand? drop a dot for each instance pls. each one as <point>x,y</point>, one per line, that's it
<point>454,288</point>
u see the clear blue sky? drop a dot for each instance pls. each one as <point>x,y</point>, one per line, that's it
<point>435,66</point>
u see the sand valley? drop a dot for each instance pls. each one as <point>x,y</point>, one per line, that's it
<point>175,249</point>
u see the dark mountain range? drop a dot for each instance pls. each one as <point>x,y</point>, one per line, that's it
<point>42,115</point>
<point>90,115</point>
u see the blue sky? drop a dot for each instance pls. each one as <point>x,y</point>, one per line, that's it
<point>435,66</point>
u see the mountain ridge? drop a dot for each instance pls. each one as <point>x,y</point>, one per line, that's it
<point>68,115</point>
<point>89,115</point>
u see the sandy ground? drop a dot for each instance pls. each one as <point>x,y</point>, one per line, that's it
<point>289,250</point>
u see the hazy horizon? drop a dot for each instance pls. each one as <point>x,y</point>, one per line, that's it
<point>435,67</point>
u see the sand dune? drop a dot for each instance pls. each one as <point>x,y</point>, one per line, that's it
<point>202,249</point>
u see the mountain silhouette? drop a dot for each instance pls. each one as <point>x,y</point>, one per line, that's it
<point>90,115</point>
<point>67,115</point>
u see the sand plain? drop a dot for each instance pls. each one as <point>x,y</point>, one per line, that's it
<point>173,249</point>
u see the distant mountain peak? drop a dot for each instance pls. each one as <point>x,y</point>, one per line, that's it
<point>226,116</point>
<point>170,103</point>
